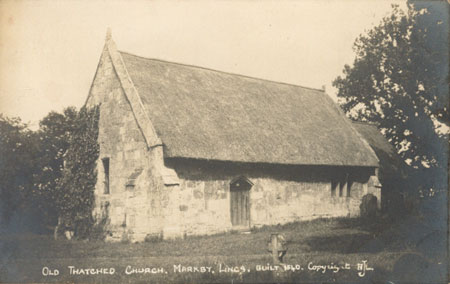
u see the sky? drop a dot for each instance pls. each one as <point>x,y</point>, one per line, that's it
<point>49,50</point>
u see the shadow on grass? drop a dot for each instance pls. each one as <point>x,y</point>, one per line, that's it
<point>345,243</point>
<point>357,235</point>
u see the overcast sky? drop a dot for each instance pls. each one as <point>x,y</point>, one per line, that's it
<point>49,50</point>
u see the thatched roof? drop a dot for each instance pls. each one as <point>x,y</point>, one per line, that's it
<point>390,162</point>
<point>205,114</point>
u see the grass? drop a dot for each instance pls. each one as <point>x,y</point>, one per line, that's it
<point>322,241</point>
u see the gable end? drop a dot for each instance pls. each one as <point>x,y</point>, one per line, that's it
<point>140,113</point>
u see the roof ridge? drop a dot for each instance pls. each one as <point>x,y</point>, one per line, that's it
<point>220,71</point>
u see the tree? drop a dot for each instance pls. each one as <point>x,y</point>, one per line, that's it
<point>396,81</point>
<point>49,173</point>
<point>18,148</point>
<point>433,19</point>
<point>55,130</point>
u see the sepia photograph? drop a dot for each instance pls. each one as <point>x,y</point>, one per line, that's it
<point>224,141</point>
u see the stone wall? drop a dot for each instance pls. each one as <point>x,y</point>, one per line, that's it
<point>133,203</point>
<point>279,194</point>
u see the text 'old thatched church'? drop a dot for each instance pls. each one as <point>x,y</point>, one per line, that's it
<point>186,150</point>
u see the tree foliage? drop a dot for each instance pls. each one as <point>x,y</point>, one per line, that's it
<point>75,189</point>
<point>396,81</point>
<point>433,19</point>
<point>18,148</point>
<point>55,130</point>
<point>49,173</point>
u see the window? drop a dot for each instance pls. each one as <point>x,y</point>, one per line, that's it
<point>344,184</point>
<point>105,162</point>
<point>349,187</point>
<point>341,188</point>
<point>334,185</point>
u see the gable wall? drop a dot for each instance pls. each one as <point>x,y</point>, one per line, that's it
<point>133,212</point>
<point>277,196</point>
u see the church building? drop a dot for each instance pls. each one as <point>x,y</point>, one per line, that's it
<point>186,150</point>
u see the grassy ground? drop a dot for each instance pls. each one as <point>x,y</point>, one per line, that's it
<point>310,245</point>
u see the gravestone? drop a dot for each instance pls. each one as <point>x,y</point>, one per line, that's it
<point>277,246</point>
<point>368,207</point>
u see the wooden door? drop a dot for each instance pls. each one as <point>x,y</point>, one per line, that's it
<point>240,202</point>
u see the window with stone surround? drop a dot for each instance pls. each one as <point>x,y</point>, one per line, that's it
<point>349,187</point>
<point>341,188</point>
<point>334,185</point>
<point>105,162</point>
<point>344,184</point>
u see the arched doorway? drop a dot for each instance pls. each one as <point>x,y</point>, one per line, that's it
<point>240,202</point>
